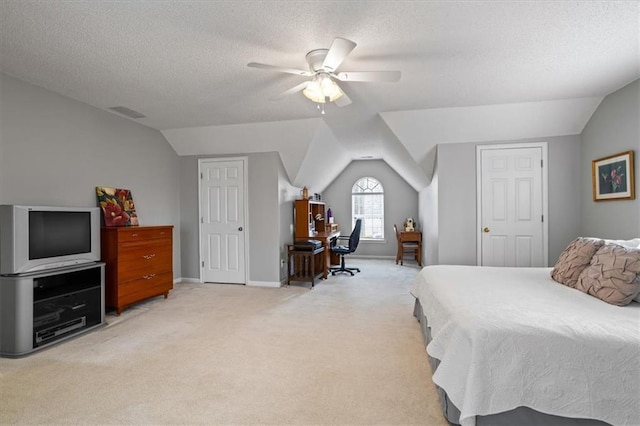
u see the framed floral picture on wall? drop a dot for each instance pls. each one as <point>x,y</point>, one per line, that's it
<point>612,177</point>
<point>118,208</point>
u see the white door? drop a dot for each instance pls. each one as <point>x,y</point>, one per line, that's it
<point>222,221</point>
<point>512,200</point>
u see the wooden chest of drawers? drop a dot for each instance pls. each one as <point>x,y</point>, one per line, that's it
<point>139,264</point>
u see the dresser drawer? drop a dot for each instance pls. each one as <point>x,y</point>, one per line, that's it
<point>136,261</point>
<point>142,234</point>
<point>136,290</point>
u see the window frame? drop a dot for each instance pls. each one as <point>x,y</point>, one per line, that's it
<point>376,190</point>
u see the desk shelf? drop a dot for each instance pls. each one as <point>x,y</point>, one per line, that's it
<point>306,212</point>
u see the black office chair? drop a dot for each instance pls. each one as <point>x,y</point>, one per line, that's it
<point>343,250</point>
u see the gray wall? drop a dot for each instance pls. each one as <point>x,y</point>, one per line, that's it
<point>400,202</point>
<point>456,194</point>
<point>55,151</point>
<point>612,129</point>
<point>263,215</point>
<point>264,237</point>
<point>287,193</point>
<point>428,215</point>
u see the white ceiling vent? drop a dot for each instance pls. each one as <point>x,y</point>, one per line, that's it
<point>128,112</point>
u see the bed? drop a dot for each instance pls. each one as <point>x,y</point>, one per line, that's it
<point>511,346</point>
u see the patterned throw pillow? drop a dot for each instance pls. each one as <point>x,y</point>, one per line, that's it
<point>574,259</point>
<point>612,275</point>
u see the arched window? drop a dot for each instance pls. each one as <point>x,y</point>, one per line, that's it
<point>367,203</point>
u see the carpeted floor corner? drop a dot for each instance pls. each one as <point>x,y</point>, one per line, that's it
<point>348,352</point>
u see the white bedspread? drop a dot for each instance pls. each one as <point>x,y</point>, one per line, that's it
<point>510,337</point>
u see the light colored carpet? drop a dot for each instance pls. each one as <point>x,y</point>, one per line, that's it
<point>348,352</point>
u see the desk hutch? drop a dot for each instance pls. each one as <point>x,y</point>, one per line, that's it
<point>310,224</point>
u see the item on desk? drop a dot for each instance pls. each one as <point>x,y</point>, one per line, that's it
<point>308,245</point>
<point>318,222</point>
<point>329,215</point>
<point>409,225</point>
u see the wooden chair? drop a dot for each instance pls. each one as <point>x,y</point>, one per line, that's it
<point>408,242</point>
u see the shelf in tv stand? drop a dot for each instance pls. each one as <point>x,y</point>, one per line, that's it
<point>46,307</point>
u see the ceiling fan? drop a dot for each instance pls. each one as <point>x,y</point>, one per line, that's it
<point>323,64</point>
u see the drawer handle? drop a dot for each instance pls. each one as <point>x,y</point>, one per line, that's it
<point>134,235</point>
<point>148,277</point>
<point>149,256</point>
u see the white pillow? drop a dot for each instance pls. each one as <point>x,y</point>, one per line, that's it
<point>632,244</point>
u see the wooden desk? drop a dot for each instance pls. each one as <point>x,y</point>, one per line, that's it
<point>326,238</point>
<point>409,241</point>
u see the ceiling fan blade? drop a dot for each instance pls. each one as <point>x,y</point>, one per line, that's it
<point>280,69</point>
<point>339,50</point>
<point>291,91</point>
<point>368,76</point>
<point>342,100</point>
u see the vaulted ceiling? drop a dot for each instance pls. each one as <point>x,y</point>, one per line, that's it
<point>471,71</point>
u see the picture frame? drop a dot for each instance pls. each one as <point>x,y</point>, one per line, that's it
<point>613,177</point>
<point>118,208</point>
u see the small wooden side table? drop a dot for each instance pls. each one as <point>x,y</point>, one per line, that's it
<point>305,264</point>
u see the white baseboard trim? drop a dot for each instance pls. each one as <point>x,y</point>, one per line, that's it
<point>264,284</point>
<point>284,281</point>
<point>250,283</point>
<point>366,256</point>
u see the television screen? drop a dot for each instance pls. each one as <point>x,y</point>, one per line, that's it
<point>58,233</point>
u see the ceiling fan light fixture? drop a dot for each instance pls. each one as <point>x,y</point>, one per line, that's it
<point>322,89</point>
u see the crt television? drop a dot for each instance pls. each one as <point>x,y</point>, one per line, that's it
<point>37,238</point>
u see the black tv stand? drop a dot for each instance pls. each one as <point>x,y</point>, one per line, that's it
<point>42,308</point>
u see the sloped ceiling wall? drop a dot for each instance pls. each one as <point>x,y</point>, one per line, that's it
<point>324,159</point>
<point>420,131</point>
<point>290,138</point>
<point>315,151</point>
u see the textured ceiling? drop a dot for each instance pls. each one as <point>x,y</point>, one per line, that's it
<point>183,63</point>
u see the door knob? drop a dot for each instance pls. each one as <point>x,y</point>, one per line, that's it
<point>240,229</point>
<point>486,229</point>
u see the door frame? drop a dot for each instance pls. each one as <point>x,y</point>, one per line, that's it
<point>545,194</point>
<point>245,189</point>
